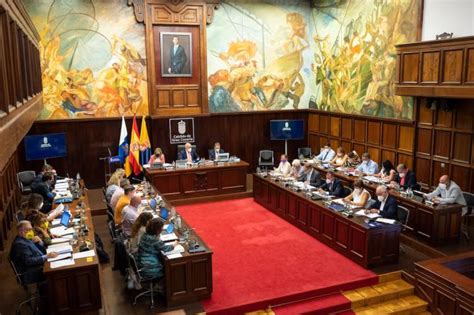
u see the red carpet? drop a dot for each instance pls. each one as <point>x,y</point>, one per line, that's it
<point>260,259</point>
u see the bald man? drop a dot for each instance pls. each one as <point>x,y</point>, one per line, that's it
<point>386,205</point>
<point>447,192</point>
<point>188,154</point>
<point>130,214</point>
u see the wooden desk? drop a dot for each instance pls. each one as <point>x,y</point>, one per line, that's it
<point>352,237</point>
<point>76,288</point>
<point>200,181</point>
<point>447,283</point>
<point>437,225</point>
<point>188,278</point>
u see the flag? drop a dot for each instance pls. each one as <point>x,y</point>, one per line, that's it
<point>145,147</point>
<point>134,155</point>
<point>123,142</point>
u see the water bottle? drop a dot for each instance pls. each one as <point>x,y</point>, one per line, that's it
<point>78,176</point>
<point>178,222</point>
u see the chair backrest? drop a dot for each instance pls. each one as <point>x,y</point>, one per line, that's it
<point>112,230</point>
<point>25,178</point>
<point>15,271</point>
<point>305,152</point>
<point>469,197</point>
<point>180,147</point>
<point>132,264</point>
<point>402,215</point>
<point>347,191</point>
<point>110,216</point>
<point>266,157</point>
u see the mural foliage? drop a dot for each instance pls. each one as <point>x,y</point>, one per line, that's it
<point>337,55</point>
<point>92,58</point>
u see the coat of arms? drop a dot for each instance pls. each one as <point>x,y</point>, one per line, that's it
<point>181,127</point>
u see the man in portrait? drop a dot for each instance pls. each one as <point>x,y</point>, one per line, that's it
<point>178,57</point>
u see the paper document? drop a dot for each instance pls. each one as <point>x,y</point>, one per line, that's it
<point>59,248</point>
<point>88,253</point>
<point>168,237</point>
<point>62,263</point>
<point>342,202</point>
<point>59,257</point>
<point>369,215</point>
<point>173,256</point>
<point>374,179</point>
<point>177,250</point>
<point>387,221</point>
<point>302,185</point>
<point>61,231</point>
<point>58,240</point>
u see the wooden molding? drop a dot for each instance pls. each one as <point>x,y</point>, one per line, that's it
<point>16,125</point>
<point>18,13</point>
<point>138,9</point>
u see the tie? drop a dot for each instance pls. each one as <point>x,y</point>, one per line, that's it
<point>325,155</point>
<point>189,156</point>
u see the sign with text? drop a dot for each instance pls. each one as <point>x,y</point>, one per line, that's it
<point>181,130</point>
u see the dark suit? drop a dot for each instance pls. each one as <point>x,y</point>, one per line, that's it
<point>44,190</point>
<point>28,259</point>
<point>314,180</point>
<point>390,207</point>
<point>410,181</point>
<point>183,156</point>
<point>335,188</point>
<point>212,153</point>
<point>177,59</point>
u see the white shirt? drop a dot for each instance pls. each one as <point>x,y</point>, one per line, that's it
<point>284,168</point>
<point>129,216</point>
<point>382,204</point>
<point>356,198</point>
<point>326,155</point>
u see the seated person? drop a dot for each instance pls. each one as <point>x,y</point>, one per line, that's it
<point>340,158</point>
<point>447,192</point>
<point>40,225</point>
<point>284,168</point>
<point>149,250</point>
<point>138,229</point>
<point>296,169</point>
<point>326,154</point>
<point>333,186</point>
<point>406,178</point>
<point>214,152</point>
<point>310,176</point>
<point>188,154</point>
<point>129,192</point>
<point>47,168</point>
<point>359,197</point>
<point>35,203</point>
<point>353,160</point>
<point>386,205</point>
<point>387,172</point>
<point>28,254</point>
<point>129,215</point>
<point>157,157</point>
<point>367,166</point>
<point>113,183</point>
<point>118,192</point>
<point>44,189</point>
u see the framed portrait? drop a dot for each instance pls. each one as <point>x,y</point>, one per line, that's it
<point>176,54</point>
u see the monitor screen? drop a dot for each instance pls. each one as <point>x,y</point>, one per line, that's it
<point>65,217</point>
<point>47,146</point>
<point>287,129</point>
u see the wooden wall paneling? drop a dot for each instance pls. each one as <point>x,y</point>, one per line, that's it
<point>406,159</point>
<point>389,135</point>
<point>424,141</point>
<point>360,130</point>
<point>335,126</point>
<point>16,62</point>
<point>469,76</point>
<point>388,155</point>
<point>373,132</point>
<point>324,124</point>
<point>452,66</point>
<point>439,169</point>
<point>460,174</point>
<point>406,138</point>
<point>410,68</point>
<point>423,170</point>
<point>359,148</point>
<point>4,86</point>
<point>24,78</point>
<point>334,143</point>
<point>313,143</point>
<point>313,123</point>
<point>374,153</point>
<point>425,114</point>
<point>346,128</point>
<point>444,118</point>
<point>461,147</point>
<point>442,144</point>
<point>347,145</point>
<point>430,67</point>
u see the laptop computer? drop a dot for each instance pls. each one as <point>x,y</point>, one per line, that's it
<point>164,214</point>
<point>222,157</point>
<point>65,217</point>
<point>170,228</point>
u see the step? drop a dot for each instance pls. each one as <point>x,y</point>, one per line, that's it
<point>410,304</point>
<point>391,276</point>
<point>318,305</point>
<point>378,293</point>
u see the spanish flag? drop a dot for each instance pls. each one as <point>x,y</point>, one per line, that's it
<point>134,155</point>
<point>145,147</point>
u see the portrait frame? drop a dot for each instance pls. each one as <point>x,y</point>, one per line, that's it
<point>176,68</point>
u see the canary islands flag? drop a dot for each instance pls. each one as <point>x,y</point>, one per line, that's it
<point>145,147</point>
<point>123,143</point>
<point>134,155</point>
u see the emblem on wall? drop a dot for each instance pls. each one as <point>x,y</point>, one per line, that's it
<point>181,130</point>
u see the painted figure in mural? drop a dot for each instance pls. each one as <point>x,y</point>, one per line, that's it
<point>178,57</point>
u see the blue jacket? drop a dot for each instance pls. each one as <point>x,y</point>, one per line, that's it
<point>212,153</point>
<point>390,208</point>
<point>28,259</point>
<point>148,256</point>
<point>335,189</point>
<point>183,156</point>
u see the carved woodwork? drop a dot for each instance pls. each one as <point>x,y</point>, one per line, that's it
<point>438,68</point>
<point>170,96</point>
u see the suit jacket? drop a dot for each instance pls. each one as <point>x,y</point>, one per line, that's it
<point>390,207</point>
<point>212,153</point>
<point>44,190</point>
<point>410,181</point>
<point>177,60</point>
<point>28,259</point>
<point>183,156</point>
<point>335,188</point>
<point>315,178</point>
